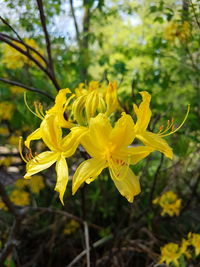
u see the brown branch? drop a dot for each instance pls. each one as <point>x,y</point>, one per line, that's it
<point>75,22</point>
<point>32,89</point>
<point>27,54</point>
<point>47,39</point>
<point>26,45</point>
<point>12,29</point>
<point>65,213</point>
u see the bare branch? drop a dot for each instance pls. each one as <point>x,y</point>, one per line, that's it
<point>26,45</point>
<point>75,22</point>
<point>87,243</point>
<point>27,54</point>
<point>12,29</point>
<point>47,39</point>
<point>32,89</point>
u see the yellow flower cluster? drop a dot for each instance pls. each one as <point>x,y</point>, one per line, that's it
<point>35,184</point>
<point>6,110</point>
<point>71,227</point>
<point>171,252</point>
<point>175,30</point>
<point>169,203</point>
<point>13,59</point>
<point>86,115</point>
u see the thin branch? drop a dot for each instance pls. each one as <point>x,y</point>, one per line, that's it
<point>195,15</point>
<point>26,45</point>
<point>47,39</point>
<point>155,179</point>
<point>94,245</point>
<point>12,29</point>
<point>32,89</point>
<point>27,54</point>
<point>65,213</point>
<point>87,243</point>
<point>75,22</point>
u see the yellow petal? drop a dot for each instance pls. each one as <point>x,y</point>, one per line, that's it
<point>40,162</point>
<point>59,108</point>
<point>70,142</point>
<point>123,132</point>
<point>97,137</point>
<point>87,170</point>
<point>51,132</point>
<point>129,186</point>
<point>143,112</point>
<point>111,98</point>
<point>37,134</point>
<point>91,104</point>
<point>138,153</point>
<point>62,177</point>
<point>155,141</point>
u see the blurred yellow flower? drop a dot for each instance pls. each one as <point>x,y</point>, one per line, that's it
<point>4,131</point>
<point>6,161</point>
<point>13,59</point>
<point>170,203</point>
<point>71,227</point>
<point>6,110</point>
<point>170,253</point>
<point>36,184</point>
<point>184,248</point>
<point>13,140</point>
<point>2,205</point>
<point>194,240</point>
<point>17,90</point>
<point>19,197</point>
<point>175,30</point>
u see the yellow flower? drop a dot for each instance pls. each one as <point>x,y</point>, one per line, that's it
<point>170,204</point>
<point>3,206</point>
<point>4,131</point>
<point>94,99</point>
<point>13,140</point>
<point>36,184</point>
<point>170,253</point>
<point>21,183</point>
<point>143,114</point>
<point>60,148</point>
<point>71,227</point>
<point>175,30</point>
<point>6,110</point>
<point>6,161</point>
<point>184,248</point>
<point>109,147</point>
<point>13,59</point>
<point>19,197</point>
<point>194,240</point>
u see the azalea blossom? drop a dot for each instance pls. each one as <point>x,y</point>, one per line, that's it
<point>110,148</point>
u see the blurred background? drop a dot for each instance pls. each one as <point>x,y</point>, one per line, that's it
<point>143,45</point>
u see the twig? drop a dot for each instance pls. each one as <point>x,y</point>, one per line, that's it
<point>27,88</point>
<point>67,214</point>
<point>12,29</point>
<point>87,243</point>
<point>27,54</point>
<point>26,45</point>
<point>75,22</point>
<point>94,245</point>
<point>48,43</point>
<point>195,15</point>
<point>155,179</point>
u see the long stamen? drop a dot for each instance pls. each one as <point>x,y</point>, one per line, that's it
<point>38,110</point>
<point>169,125</point>
<point>25,101</point>
<point>175,130</point>
<point>20,149</point>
